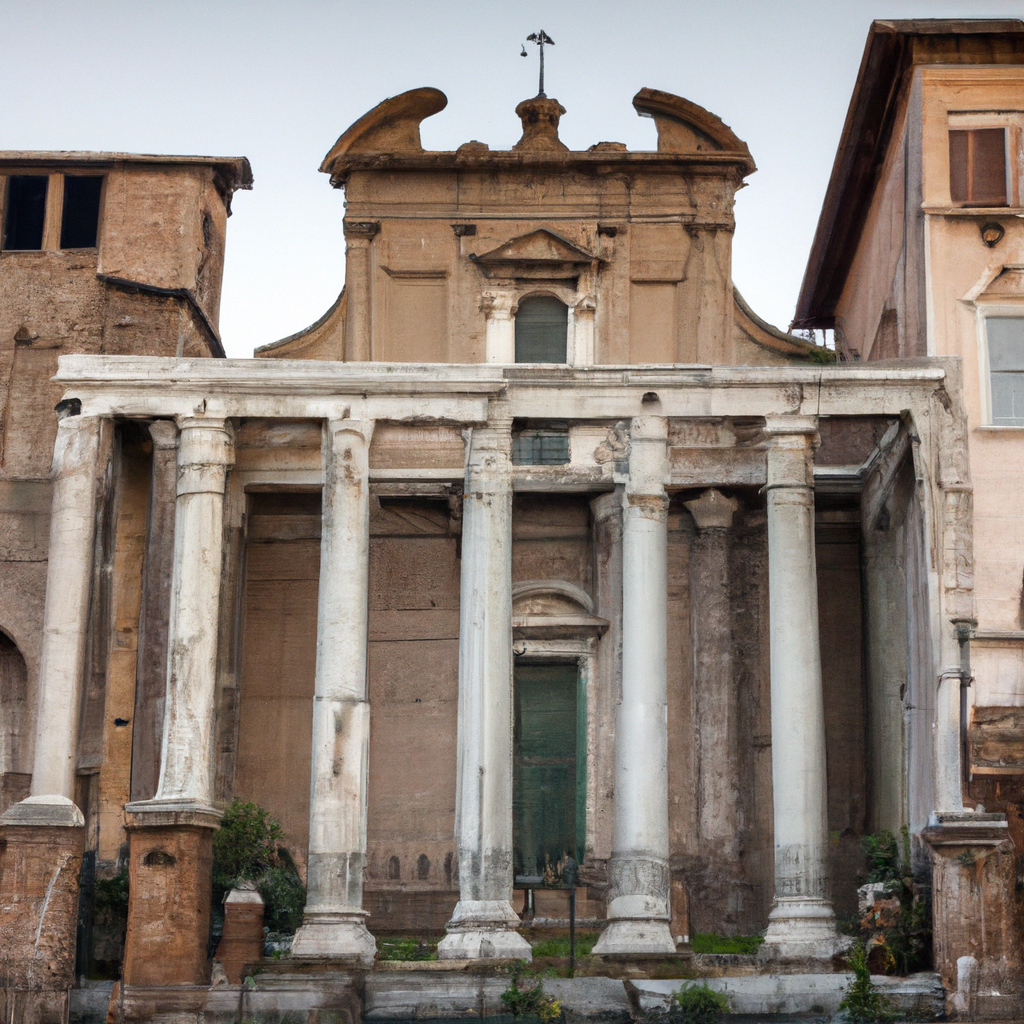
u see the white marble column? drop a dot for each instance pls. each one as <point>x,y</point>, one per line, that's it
<point>334,923</point>
<point>583,332</point>
<point>638,898</point>
<point>69,579</point>
<point>802,923</point>
<point>483,923</point>
<point>205,452</point>
<point>500,329</point>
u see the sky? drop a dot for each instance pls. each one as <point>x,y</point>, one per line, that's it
<point>278,82</point>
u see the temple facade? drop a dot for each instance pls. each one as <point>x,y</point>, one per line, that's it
<point>539,552</point>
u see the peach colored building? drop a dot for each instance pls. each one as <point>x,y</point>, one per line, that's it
<point>920,253</point>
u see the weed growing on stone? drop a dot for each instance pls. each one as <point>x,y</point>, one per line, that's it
<point>559,946</point>
<point>406,947</point>
<point>864,1004</point>
<point>710,942</point>
<point>525,996</point>
<point>697,1004</point>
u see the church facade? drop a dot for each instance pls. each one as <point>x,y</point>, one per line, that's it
<point>539,550</point>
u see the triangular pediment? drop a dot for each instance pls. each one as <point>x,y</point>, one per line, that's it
<point>537,247</point>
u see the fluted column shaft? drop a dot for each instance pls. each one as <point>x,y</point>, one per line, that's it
<point>483,922</point>
<point>334,920</point>
<point>638,907</point>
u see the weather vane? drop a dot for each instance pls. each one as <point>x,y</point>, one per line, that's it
<point>540,38</point>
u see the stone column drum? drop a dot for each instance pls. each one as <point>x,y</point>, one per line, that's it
<point>334,921</point>
<point>42,837</point>
<point>638,897</point>
<point>171,835</point>
<point>716,698</point>
<point>483,923</point>
<point>802,922</point>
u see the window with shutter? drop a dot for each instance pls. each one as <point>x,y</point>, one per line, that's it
<point>977,166</point>
<point>542,330</point>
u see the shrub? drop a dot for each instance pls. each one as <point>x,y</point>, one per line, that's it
<point>697,1004</point>
<point>111,894</point>
<point>245,849</point>
<point>559,946</point>
<point>245,845</point>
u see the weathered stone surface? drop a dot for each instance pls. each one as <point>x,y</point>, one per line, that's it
<point>170,871</point>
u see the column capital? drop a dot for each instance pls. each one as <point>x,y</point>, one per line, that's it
<point>496,304</point>
<point>345,430</point>
<point>780,426</point>
<point>712,510</point>
<point>361,230</point>
<point>164,434</point>
<point>205,450</point>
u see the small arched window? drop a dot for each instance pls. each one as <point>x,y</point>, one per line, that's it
<point>542,327</point>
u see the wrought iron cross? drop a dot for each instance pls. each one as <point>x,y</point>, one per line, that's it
<point>540,38</point>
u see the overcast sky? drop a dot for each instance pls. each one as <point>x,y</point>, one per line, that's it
<point>278,82</point>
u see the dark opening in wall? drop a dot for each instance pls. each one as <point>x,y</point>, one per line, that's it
<point>81,217</point>
<point>544,446</point>
<point>542,325</point>
<point>25,211</point>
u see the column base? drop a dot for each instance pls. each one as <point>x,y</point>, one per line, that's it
<point>483,930</point>
<point>802,929</point>
<point>636,933</point>
<point>327,935</point>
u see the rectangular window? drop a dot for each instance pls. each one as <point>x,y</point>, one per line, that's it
<point>1006,369</point>
<point>540,448</point>
<point>81,216</point>
<point>25,211</point>
<point>977,166</point>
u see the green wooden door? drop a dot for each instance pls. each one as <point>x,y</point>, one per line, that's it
<point>549,780</point>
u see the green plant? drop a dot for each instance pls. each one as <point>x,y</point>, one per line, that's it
<point>863,1003</point>
<point>697,1004</point>
<point>245,849</point>
<point>710,942</point>
<point>245,845</point>
<point>406,947</point>
<point>559,946</point>
<point>907,943</point>
<point>525,996</point>
<point>111,894</point>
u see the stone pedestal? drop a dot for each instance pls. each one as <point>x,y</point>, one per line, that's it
<point>802,922</point>
<point>334,920</point>
<point>978,916</point>
<point>483,923</point>
<point>638,897</point>
<point>41,842</point>
<point>242,940</point>
<point>170,881</point>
